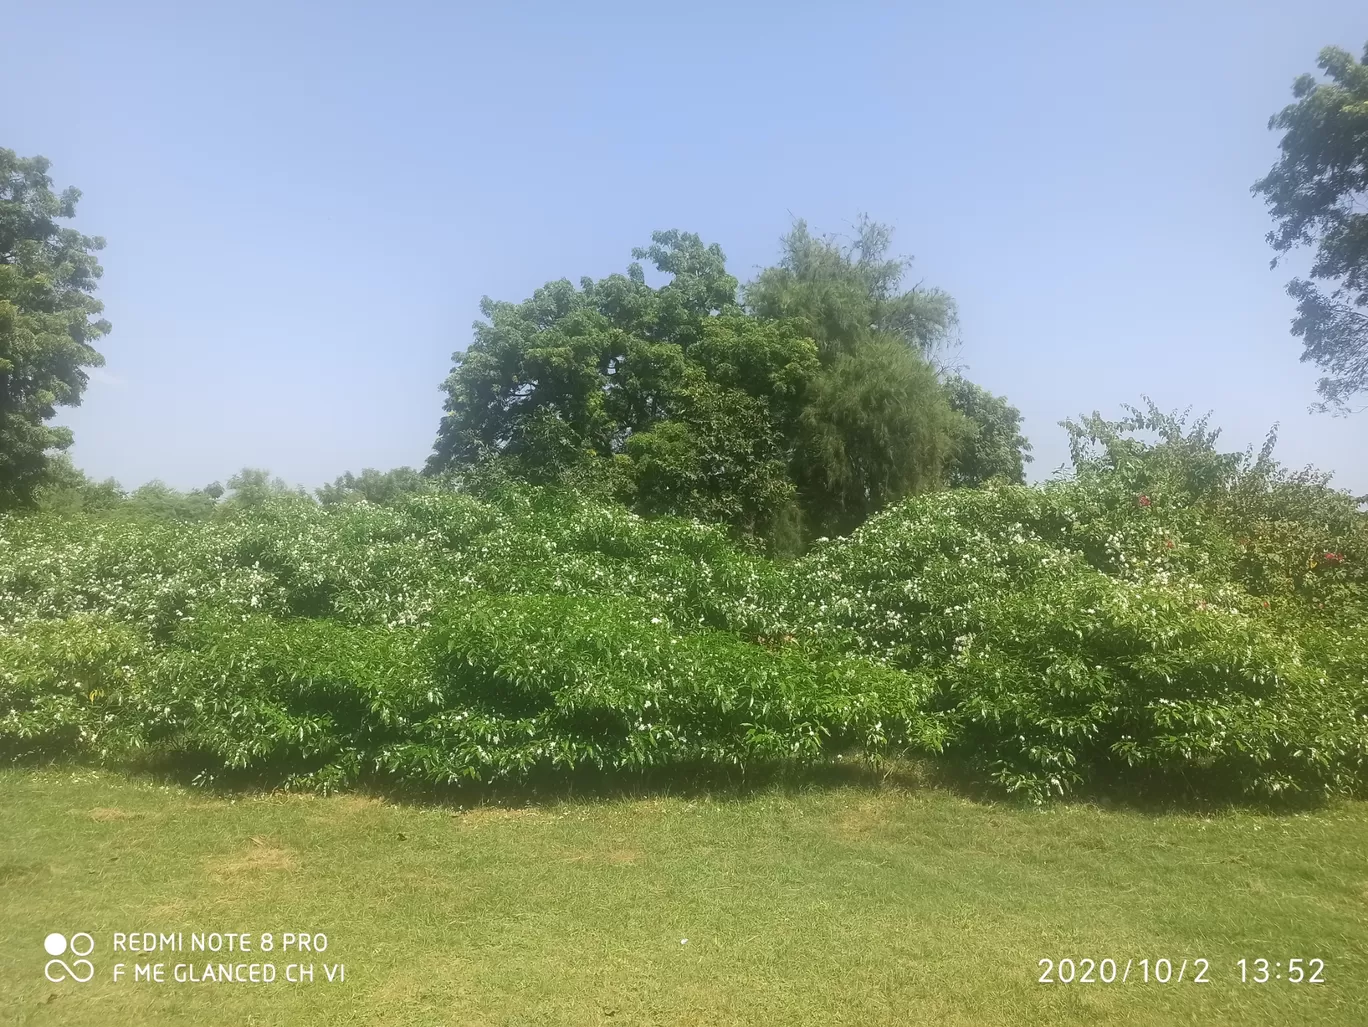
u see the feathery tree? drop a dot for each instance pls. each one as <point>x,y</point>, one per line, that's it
<point>847,294</point>
<point>877,427</point>
<point>879,424</point>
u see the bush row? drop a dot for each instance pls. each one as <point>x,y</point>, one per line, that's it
<point>1118,626</point>
<point>502,689</point>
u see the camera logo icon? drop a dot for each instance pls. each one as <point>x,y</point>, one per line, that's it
<point>79,970</point>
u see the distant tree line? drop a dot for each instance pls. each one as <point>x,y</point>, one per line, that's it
<point>67,489</point>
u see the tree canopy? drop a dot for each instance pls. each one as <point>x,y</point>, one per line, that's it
<point>799,407</point>
<point>878,427</point>
<point>844,294</point>
<point>1317,192</point>
<point>49,320</point>
<point>991,445</point>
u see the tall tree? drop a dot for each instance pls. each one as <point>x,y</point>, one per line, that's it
<point>49,319</point>
<point>845,293</point>
<point>571,371</point>
<point>672,389</point>
<point>991,445</point>
<point>878,427</point>
<point>879,424</point>
<point>802,411</point>
<point>1318,194</point>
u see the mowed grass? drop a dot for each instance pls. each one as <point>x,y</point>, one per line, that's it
<point>832,905</point>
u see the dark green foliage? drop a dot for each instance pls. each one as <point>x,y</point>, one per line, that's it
<point>846,295</point>
<point>1315,192</point>
<point>990,446</point>
<point>570,370</point>
<point>719,459</point>
<point>49,320</point>
<point>666,397</point>
<point>802,413</point>
<point>877,427</point>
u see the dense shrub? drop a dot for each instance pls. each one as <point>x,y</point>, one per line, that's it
<point>1168,616</point>
<point>512,685</point>
<point>557,682</point>
<point>1052,672</point>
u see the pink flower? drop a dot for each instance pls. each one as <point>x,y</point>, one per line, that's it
<point>1333,558</point>
<point>1144,500</point>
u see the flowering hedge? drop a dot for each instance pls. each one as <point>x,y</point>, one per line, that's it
<point>1112,627</point>
<point>1070,648</point>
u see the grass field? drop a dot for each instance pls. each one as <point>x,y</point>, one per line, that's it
<point>802,905</point>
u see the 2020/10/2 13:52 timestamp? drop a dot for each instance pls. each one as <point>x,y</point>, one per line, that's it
<point>1296,971</point>
<point>1179,971</point>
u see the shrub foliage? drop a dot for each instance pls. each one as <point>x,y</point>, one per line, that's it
<point>1168,616</point>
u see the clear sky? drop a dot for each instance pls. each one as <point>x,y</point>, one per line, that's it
<point>305,203</point>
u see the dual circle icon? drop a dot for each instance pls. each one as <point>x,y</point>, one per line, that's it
<point>79,970</point>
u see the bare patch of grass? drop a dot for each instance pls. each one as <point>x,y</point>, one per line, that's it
<point>261,856</point>
<point>105,814</point>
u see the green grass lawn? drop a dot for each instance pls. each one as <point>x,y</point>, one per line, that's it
<point>834,905</point>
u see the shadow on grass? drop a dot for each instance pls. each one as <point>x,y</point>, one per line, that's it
<point>1135,791</point>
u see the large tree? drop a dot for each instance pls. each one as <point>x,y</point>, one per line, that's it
<point>49,319</point>
<point>880,423</point>
<point>878,427</point>
<point>991,446</point>
<point>672,392</point>
<point>801,411</point>
<point>1318,194</point>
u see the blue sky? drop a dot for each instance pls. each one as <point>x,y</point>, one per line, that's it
<point>305,203</point>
